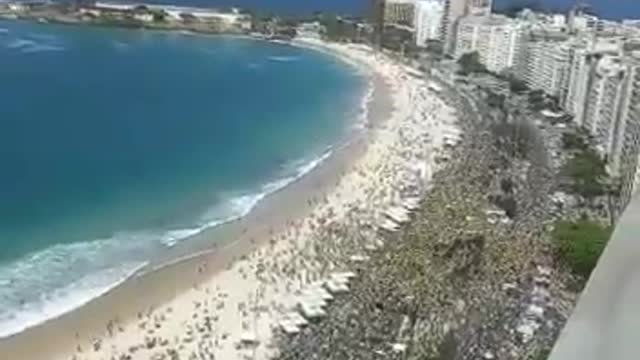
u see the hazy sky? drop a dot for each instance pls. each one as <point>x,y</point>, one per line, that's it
<point>607,8</point>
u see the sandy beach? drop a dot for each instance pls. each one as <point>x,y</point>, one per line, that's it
<point>229,302</point>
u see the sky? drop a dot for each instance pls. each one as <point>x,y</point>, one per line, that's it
<point>613,9</point>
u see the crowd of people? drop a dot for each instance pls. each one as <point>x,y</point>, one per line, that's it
<point>456,282</point>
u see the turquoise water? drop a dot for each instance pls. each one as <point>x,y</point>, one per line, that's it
<point>116,145</point>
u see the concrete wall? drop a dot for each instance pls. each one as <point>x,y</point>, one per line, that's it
<point>605,325</point>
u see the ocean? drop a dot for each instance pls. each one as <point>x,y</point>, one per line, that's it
<point>117,146</point>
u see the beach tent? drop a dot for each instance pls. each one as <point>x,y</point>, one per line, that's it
<point>389,225</point>
<point>337,287</point>
<point>312,300</point>
<point>312,312</point>
<point>535,312</point>
<point>249,338</point>
<point>411,203</point>
<point>359,258</point>
<point>348,275</point>
<point>397,214</point>
<point>289,327</point>
<point>318,292</point>
<point>295,318</point>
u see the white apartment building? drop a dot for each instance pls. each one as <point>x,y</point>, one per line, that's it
<point>580,74</point>
<point>595,74</point>
<point>428,20</point>
<point>623,160</point>
<point>612,115</point>
<point>453,11</point>
<point>399,12</point>
<point>546,66</point>
<point>605,97</point>
<point>558,21</point>
<point>584,56</point>
<point>479,7</point>
<point>496,38</point>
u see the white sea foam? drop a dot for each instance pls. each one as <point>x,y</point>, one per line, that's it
<point>50,305</point>
<point>32,46</point>
<point>363,118</point>
<point>284,58</point>
<point>40,36</point>
<point>41,48</point>
<point>53,281</point>
<point>79,272</point>
<point>20,43</point>
<point>240,206</point>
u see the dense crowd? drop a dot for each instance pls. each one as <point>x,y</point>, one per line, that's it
<point>465,279</point>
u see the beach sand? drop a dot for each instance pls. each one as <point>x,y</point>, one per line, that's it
<point>204,305</point>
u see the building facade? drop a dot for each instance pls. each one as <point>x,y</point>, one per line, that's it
<point>496,38</point>
<point>428,21</point>
<point>623,162</point>
<point>479,7</point>
<point>376,15</point>
<point>453,11</point>
<point>581,70</point>
<point>585,53</point>
<point>399,12</point>
<point>604,100</point>
<point>546,62</point>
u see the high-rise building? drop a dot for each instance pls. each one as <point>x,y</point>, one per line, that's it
<point>580,74</point>
<point>376,14</point>
<point>496,38</point>
<point>595,75</point>
<point>547,62</point>
<point>478,7</point>
<point>399,12</point>
<point>611,114</point>
<point>453,11</point>
<point>603,101</point>
<point>584,56</point>
<point>428,20</point>
<point>623,159</point>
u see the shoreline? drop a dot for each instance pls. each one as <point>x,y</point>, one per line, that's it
<point>167,285</point>
<point>189,247</point>
<point>214,253</point>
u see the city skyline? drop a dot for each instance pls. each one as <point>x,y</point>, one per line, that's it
<point>622,9</point>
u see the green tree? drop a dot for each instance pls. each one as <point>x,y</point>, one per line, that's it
<point>537,100</point>
<point>587,171</point>
<point>580,244</point>
<point>574,141</point>
<point>470,63</point>
<point>516,85</point>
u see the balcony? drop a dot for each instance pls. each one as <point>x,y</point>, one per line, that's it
<point>606,321</point>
